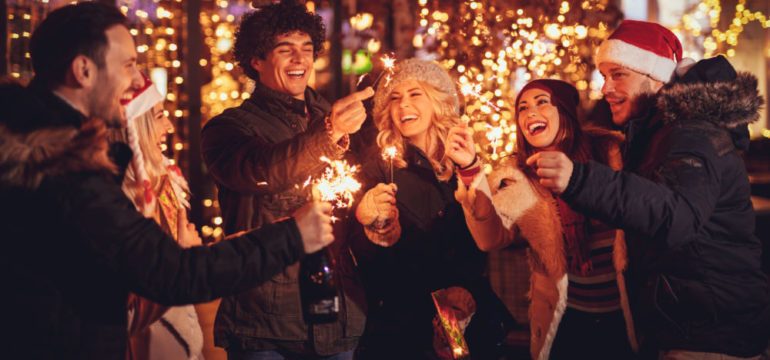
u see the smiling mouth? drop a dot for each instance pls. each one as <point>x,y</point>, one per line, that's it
<point>407,118</point>
<point>536,128</point>
<point>616,102</point>
<point>296,74</point>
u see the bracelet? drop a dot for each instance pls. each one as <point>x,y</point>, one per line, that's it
<point>470,172</point>
<point>475,159</point>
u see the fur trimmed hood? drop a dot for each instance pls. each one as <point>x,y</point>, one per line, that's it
<point>712,91</point>
<point>27,157</point>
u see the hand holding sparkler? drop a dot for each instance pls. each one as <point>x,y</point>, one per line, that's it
<point>378,204</point>
<point>348,113</point>
<point>460,147</point>
<point>314,224</point>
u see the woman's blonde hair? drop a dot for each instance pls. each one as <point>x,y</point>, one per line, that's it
<point>154,161</point>
<point>444,117</point>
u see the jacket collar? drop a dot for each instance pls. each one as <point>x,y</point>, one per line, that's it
<point>48,139</point>
<point>262,94</point>
<point>729,105</point>
<point>61,112</point>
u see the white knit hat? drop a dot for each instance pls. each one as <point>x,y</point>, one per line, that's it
<point>644,47</point>
<point>415,69</point>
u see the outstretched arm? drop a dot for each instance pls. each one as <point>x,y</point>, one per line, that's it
<point>681,203</point>
<point>154,266</point>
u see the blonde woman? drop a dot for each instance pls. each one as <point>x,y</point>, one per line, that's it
<point>414,239</point>
<point>158,191</point>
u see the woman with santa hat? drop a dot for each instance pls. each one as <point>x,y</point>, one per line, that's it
<point>159,191</point>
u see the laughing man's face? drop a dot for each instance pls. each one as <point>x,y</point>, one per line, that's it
<point>287,67</point>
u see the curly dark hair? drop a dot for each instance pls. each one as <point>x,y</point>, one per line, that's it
<point>256,34</point>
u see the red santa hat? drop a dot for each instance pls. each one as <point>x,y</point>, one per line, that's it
<point>142,99</point>
<point>644,47</point>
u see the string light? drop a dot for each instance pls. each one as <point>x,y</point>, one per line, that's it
<point>701,27</point>
<point>495,50</point>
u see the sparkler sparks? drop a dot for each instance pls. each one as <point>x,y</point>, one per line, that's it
<point>360,79</point>
<point>494,134</point>
<point>388,63</point>
<point>337,184</point>
<point>389,153</point>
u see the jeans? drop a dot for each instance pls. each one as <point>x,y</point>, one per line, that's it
<point>237,354</point>
<point>583,335</point>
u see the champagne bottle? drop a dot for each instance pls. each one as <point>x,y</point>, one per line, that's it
<point>318,288</point>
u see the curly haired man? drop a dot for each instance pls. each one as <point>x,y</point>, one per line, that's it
<point>257,153</point>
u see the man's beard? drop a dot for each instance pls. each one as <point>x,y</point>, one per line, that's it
<point>644,100</point>
<point>107,107</point>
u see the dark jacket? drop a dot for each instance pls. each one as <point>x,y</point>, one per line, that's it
<point>74,245</point>
<point>260,154</point>
<point>684,201</point>
<point>435,251</point>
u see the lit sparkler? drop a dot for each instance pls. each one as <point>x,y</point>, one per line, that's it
<point>389,153</point>
<point>494,134</point>
<point>388,63</point>
<point>337,184</point>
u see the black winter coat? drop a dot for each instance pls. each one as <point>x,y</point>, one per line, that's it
<point>684,202</point>
<point>260,154</point>
<point>435,251</point>
<point>74,246</point>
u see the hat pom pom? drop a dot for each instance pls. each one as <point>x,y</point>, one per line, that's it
<point>684,65</point>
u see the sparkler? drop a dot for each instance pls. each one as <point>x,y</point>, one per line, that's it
<point>388,63</point>
<point>494,134</point>
<point>388,154</point>
<point>337,184</point>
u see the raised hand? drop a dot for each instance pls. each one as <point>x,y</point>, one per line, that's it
<point>187,235</point>
<point>379,203</point>
<point>348,113</point>
<point>314,224</point>
<point>459,145</point>
<point>554,169</point>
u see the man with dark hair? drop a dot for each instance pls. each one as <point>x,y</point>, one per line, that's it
<point>75,245</point>
<point>683,199</point>
<point>260,153</point>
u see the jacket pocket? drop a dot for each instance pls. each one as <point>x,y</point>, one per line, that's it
<point>684,303</point>
<point>285,295</point>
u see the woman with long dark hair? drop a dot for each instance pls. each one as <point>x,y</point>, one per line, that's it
<point>578,298</point>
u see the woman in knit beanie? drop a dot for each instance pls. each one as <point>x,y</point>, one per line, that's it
<point>578,299</point>
<point>413,239</point>
<point>159,191</point>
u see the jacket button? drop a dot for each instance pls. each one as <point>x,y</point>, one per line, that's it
<point>293,125</point>
<point>441,213</point>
